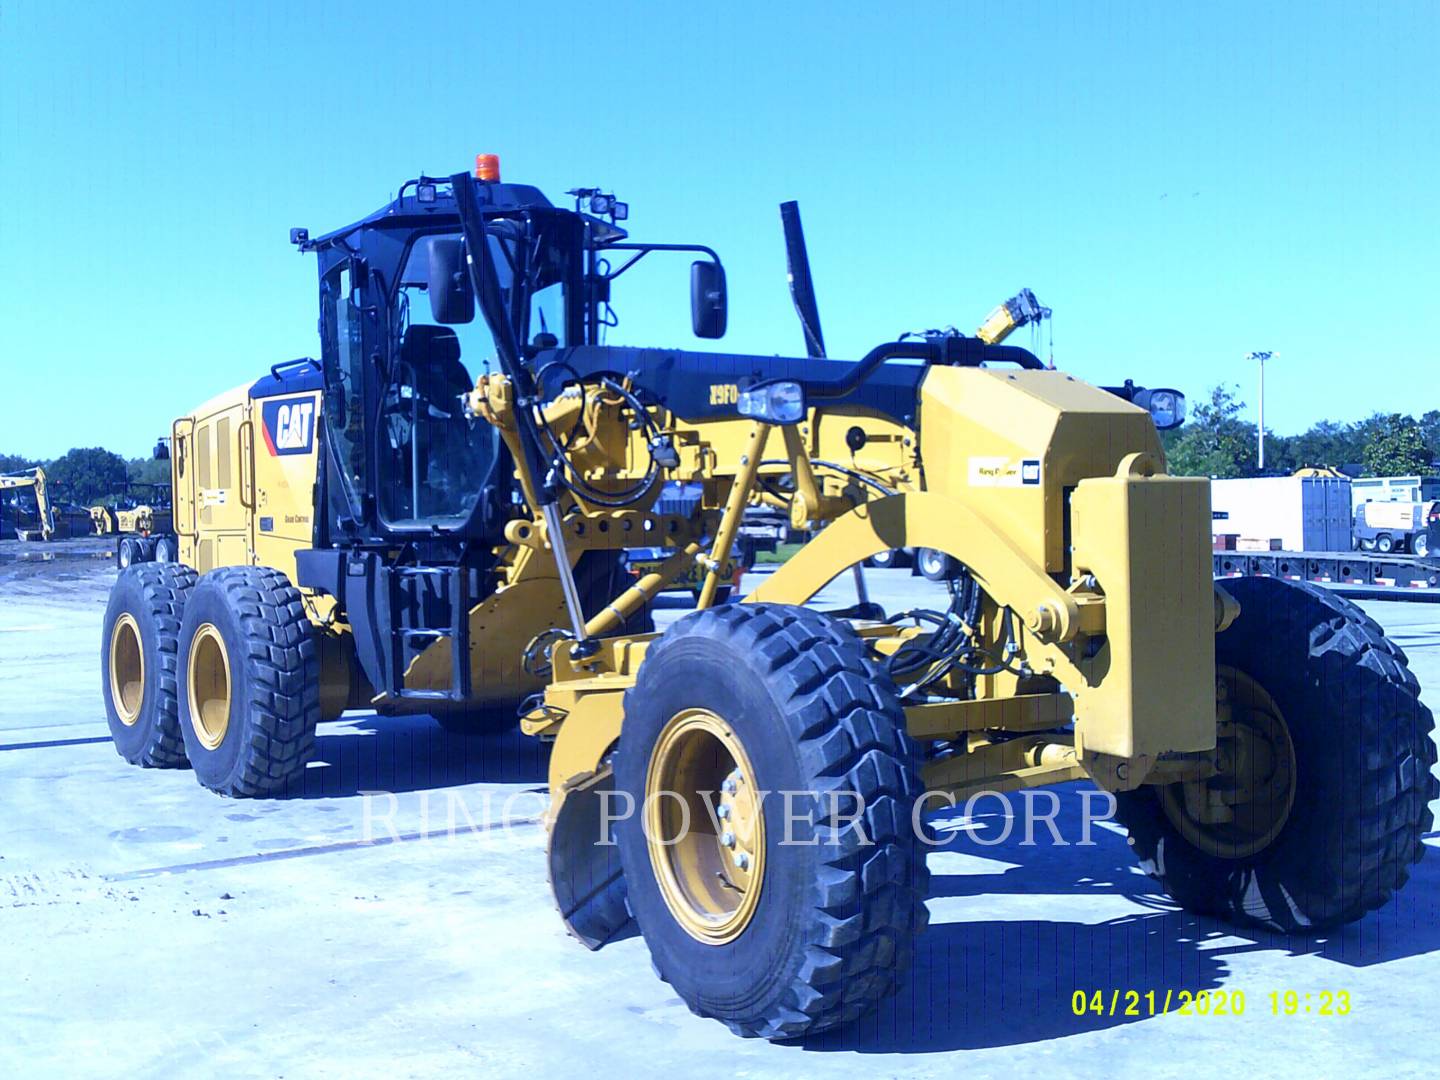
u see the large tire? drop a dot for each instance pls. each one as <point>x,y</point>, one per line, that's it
<point>249,681</point>
<point>166,550</point>
<point>138,664</point>
<point>1420,544</point>
<point>1362,758</point>
<point>127,555</point>
<point>1384,543</point>
<point>833,918</point>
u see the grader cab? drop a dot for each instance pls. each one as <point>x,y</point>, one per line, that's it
<point>429,519</point>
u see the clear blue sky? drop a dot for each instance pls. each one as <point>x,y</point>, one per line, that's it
<point>1182,186</point>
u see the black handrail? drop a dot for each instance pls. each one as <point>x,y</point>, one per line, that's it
<point>286,365</point>
<point>951,350</point>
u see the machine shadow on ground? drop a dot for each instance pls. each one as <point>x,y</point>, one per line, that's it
<point>399,754</point>
<point>991,983</point>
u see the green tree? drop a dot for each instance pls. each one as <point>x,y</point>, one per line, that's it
<point>14,462</point>
<point>87,475</point>
<point>1214,441</point>
<point>1326,444</point>
<point>1396,447</point>
<point>148,470</point>
<point>1430,428</point>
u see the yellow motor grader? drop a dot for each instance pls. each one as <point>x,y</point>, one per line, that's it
<point>429,518</point>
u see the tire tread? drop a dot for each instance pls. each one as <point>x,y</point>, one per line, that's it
<point>868,901</point>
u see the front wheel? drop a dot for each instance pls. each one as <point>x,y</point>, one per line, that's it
<point>770,857</point>
<point>1385,543</point>
<point>1420,544</point>
<point>1320,800</point>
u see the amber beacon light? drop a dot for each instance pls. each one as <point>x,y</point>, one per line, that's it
<point>487,167</point>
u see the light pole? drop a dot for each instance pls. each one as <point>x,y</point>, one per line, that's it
<point>1262,357</point>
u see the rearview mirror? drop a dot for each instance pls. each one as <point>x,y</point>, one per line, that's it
<point>708,304</point>
<point>448,283</point>
<point>1166,407</point>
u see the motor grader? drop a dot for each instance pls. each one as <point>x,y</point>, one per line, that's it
<point>429,519</point>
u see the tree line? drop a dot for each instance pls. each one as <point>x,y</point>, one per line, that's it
<point>1214,441</point>
<point>90,475</point>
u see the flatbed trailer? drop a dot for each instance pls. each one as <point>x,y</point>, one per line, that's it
<point>1386,575</point>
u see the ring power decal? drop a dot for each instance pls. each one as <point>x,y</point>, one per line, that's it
<point>1004,472</point>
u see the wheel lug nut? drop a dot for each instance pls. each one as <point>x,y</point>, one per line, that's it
<point>728,839</point>
<point>729,786</point>
<point>743,861</point>
<point>722,811</point>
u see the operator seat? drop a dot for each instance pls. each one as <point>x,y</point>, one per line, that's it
<point>448,456</point>
<point>433,353</point>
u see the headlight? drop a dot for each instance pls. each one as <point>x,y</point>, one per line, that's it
<point>780,402</point>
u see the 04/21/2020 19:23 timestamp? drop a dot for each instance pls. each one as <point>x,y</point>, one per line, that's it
<point>1206,1002</point>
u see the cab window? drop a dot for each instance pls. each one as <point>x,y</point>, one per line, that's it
<point>344,358</point>
<point>435,460</point>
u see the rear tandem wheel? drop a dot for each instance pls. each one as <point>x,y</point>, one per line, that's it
<point>249,681</point>
<point>138,663</point>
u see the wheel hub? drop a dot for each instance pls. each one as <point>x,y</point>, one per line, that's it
<point>1241,808</point>
<point>209,686</point>
<point>704,826</point>
<point>127,669</point>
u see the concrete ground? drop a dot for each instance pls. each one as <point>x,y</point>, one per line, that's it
<point>149,928</point>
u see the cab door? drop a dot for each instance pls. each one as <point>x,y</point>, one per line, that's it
<point>182,487</point>
<point>283,456</point>
<point>222,527</point>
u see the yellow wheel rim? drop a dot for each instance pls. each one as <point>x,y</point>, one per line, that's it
<point>705,826</point>
<point>1241,809</point>
<point>209,686</point>
<point>127,669</point>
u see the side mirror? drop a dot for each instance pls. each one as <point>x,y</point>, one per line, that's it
<point>708,304</point>
<point>1166,407</point>
<point>448,283</point>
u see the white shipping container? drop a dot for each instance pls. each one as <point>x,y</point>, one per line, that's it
<point>1394,489</point>
<point>1305,513</point>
